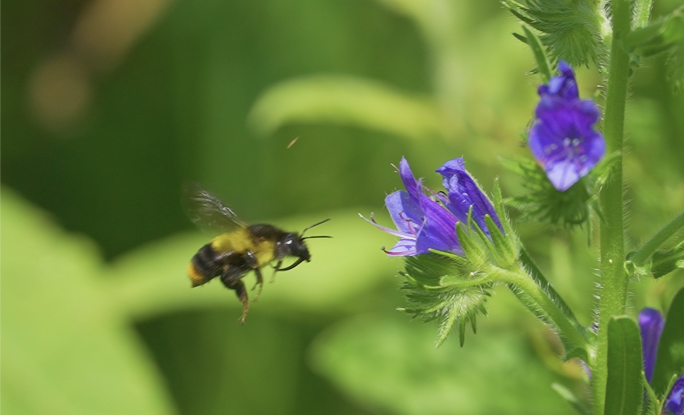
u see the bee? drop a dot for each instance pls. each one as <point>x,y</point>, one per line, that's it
<point>241,248</point>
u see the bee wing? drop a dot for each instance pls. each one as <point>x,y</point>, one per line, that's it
<point>207,211</point>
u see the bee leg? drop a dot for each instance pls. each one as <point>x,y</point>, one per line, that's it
<point>260,282</point>
<point>276,269</point>
<point>251,261</point>
<point>231,279</point>
<point>241,292</point>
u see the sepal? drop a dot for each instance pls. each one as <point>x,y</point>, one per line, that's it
<point>543,203</point>
<point>657,37</point>
<point>665,35</point>
<point>472,245</point>
<point>499,207</point>
<point>446,289</point>
<point>504,247</point>
<point>453,289</point>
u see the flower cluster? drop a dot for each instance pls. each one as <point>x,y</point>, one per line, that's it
<point>651,327</point>
<point>563,139</point>
<point>427,220</point>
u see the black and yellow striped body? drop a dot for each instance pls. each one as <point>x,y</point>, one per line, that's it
<point>235,253</point>
<point>204,266</point>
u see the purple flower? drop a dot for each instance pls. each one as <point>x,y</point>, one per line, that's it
<point>429,222</point>
<point>651,327</point>
<point>563,139</point>
<point>675,400</point>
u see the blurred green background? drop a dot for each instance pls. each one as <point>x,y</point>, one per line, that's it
<point>108,105</point>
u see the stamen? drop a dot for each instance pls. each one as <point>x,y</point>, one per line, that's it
<point>410,223</point>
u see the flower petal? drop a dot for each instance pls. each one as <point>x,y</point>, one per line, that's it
<point>675,399</point>
<point>412,185</point>
<point>563,86</point>
<point>429,222</point>
<point>439,230</point>
<point>405,247</point>
<point>564,142</point>
<point>464,193</point>
<point>406,213</point>
<point>651,327</point>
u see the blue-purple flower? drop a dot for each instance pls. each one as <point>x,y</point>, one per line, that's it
<point>563,139</point>
<point>651,327</point>
<point>675,400</point>
<point>426,220</point>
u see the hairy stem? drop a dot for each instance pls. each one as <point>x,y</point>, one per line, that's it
<point>613,291</point>
<point>525,283</point>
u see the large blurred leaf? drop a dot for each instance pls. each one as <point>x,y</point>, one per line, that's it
<point>391,364</point>
<point>347,101</point>
<point>624,389</point>
<point>214,366</point>
<point>64,349</point>
<point>153,280</point>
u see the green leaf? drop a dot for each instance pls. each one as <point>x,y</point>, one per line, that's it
<point>65,349</point>
<point>571,30</point>
<point>539,55</point>
<point>670,359</point>
<point>391,366</point>
<point>675,66</point>
<point>624,390</point>
<point>346,101</point>
<point>571,398</point>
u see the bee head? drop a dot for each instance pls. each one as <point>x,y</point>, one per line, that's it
<point>293,245</point>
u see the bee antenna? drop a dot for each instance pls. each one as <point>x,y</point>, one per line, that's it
<point>309,227</point>
<point>314,237</point>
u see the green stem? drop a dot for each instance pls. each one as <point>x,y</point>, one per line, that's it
<point>645,252</point>
<point>642,13</point>
<point>525,283</point>
<point>613,287</point>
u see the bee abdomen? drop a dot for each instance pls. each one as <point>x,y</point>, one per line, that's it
<point>204,266</point>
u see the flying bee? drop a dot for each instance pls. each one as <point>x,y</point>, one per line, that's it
<point>241,248</point>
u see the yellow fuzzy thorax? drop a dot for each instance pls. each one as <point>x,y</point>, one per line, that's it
<point>242,241</point>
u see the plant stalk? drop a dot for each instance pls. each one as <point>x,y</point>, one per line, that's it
<point>645,252</point>
<point>525,283</point>
<point>614,281</point>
